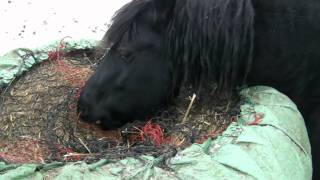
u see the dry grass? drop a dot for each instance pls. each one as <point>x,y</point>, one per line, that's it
<point>41,106</point>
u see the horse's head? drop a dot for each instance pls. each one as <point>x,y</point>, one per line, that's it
<point>133,78</point>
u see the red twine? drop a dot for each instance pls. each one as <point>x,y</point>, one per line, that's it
<point>64,151</point>
<point>153,132</point>
<point>257,119</point>
<point>211,134</point>
<point>71,74</point>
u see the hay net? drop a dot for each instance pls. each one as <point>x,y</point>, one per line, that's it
<point>39,122</point>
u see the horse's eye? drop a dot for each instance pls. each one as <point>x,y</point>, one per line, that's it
<point>125,54</point>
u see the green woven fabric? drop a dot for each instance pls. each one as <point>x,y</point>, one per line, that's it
<point>275,148</point>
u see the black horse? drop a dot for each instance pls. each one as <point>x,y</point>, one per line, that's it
<point>132,81</point>
<point>227,42</point>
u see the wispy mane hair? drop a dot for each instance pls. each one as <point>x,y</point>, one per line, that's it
<point>211,40</point>
<point>205,40</point>
<point>123,23</point>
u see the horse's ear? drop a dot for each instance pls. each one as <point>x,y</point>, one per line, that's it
<point>164,7</point>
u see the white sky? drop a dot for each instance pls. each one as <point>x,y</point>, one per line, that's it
<point>33,23</point>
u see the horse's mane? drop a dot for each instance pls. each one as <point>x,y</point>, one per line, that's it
<point>123,22</point>
<point>211,40</point>
<point>206,40</point>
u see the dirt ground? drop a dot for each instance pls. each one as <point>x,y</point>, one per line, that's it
<point>39,123</point>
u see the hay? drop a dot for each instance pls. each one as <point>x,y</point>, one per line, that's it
<point>38,111</point>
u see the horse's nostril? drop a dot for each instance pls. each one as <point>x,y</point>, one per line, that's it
<point>86,117</point>
<point>84,113</point>
<point>82,109</point>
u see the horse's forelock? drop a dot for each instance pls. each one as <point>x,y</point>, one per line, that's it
<point>122,22</point>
